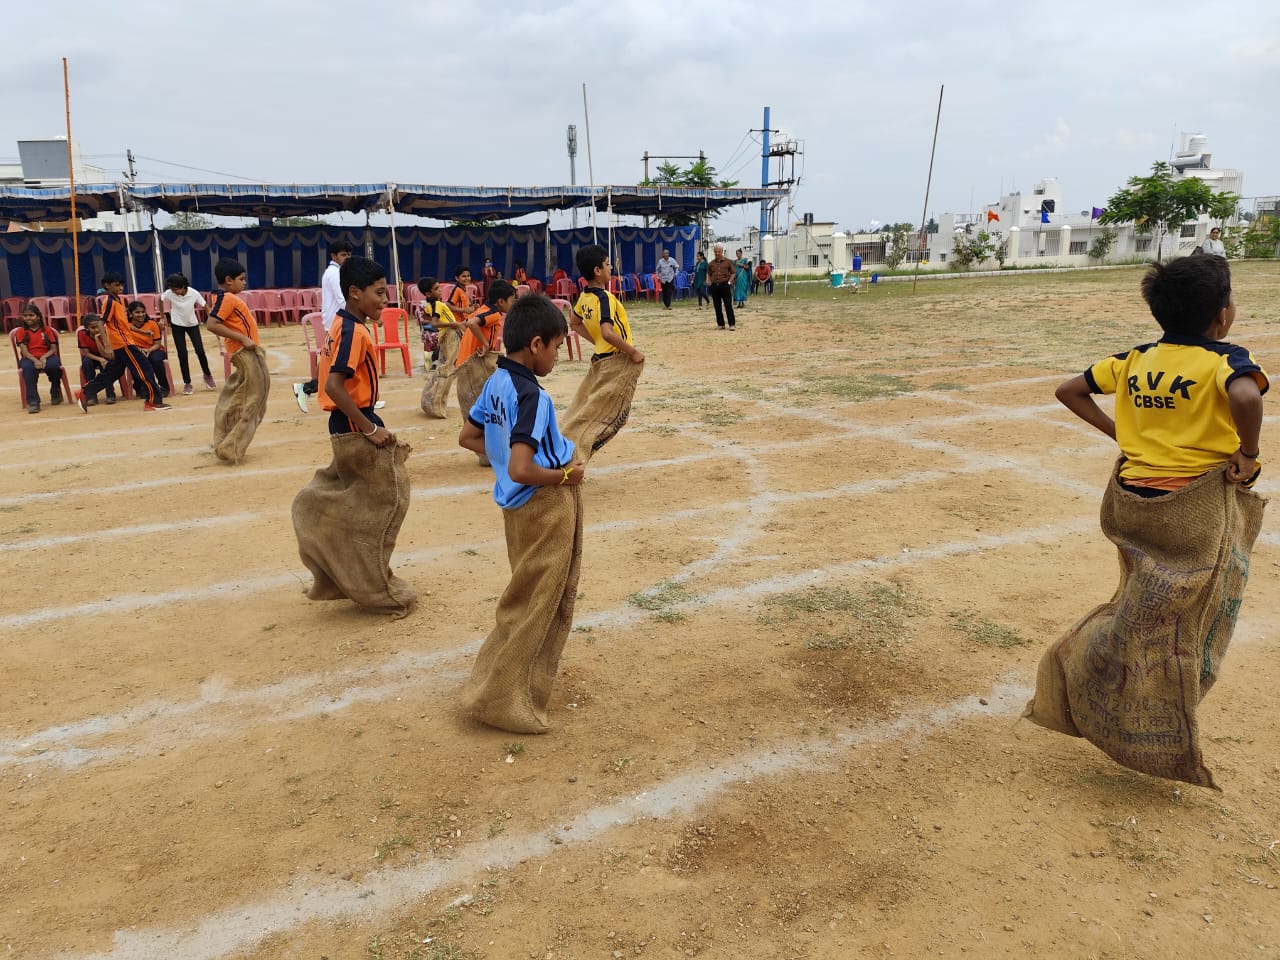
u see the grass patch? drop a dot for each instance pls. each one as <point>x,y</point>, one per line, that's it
<point>986,632</point>
<point>385,848</point>
<point>858,387</point>
<point>661,600</point>
<point>948,386</point>
<point>513,749</point>
<point>873,616</point>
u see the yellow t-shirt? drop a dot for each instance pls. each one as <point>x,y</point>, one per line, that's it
<point>595,307</point>
<point>1173,418</point>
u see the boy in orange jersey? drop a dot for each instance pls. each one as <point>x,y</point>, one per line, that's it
<point>243,401</point>
<point>125,353</point>
<point>348,362</point>
<point>484,327</point>
<point>150,342</point>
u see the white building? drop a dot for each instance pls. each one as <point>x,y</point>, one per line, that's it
<point>43,163</point>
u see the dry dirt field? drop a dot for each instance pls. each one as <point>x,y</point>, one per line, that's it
<point>821,565</point>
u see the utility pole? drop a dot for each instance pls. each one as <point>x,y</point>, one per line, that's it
<point>132,177</point>
<point>572,140</point>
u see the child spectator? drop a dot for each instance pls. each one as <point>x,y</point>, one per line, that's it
<point>243,401</point>
<point>95,353</point>
<point>603,401</point>
<point>126,355</point>
<point>459,297</point>
<point>1188,414</point>
<point>348,517</point>
<point>700,279</point>
<point>489,272</point>
<point>481,344</point>
<point>518,275</point>
<point>150,342</point>
<point>38,353</point>
<point>185,326</point>
<point>536,483</point>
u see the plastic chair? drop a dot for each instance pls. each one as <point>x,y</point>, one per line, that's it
<point>314,333</point>
<point>273,306</point>
<point>473,291</point>
<point>395,336</point>
<point>412,296</point>
<point>557,277</point>
<point>681,285</point>
<point>564,289</point>
<point>572,342</point>
<point>535,285</point>
<point>615,286</point>
<point>11,312</point>
<point>393,295</point>
<point>523,290</point>
<point>311,299</point>
<point>152,302</point>
<point>57,313</point>
<point>22,384</point>
<point>628,287</point>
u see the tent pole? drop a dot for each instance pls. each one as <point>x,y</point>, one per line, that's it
<point>155,253</point>
<point>395,253</point>
<point>591,173</point>
<point>71,177</point>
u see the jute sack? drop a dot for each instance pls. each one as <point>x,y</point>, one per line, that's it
<point>472,376</point>
<point>241,405</point>
<point>435,395</point>
<point>347,519</point>
<point>1130,676</point>
<point>602,404</point>
<point>510,684</point>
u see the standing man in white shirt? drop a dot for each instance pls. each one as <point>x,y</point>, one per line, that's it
<point>667,270</point>
<point>332,299</point>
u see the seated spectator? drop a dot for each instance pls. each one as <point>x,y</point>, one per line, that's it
<point>149,341</point>
<point>763,277</point>
<point>38,353</point>
<point>95,353</point>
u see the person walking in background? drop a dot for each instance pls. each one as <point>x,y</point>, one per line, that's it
<point>700,279</point>
<point>741,279</point>
<point>667,270</point>
<point>720,282</point>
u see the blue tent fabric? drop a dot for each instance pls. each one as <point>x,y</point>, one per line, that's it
<point>29,204</point>
<point>505,203</point>
<point>260,199</point>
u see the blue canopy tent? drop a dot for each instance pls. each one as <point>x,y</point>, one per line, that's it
<point>34,204</point>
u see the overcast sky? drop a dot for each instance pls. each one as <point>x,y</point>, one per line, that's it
<point>477,92</point>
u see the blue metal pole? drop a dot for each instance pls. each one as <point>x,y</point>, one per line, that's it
<point>764,182</point>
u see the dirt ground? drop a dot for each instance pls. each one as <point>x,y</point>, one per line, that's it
<point>821,564</point>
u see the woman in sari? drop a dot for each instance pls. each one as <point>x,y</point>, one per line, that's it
<point>741,280</point>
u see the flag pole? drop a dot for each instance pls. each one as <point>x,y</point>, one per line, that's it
<point>927,184</point>
<point>71,177</point>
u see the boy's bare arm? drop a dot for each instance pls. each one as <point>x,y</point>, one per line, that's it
<point>611,337</point>
<point>1245,400</point>
<point>1076,396</point>
<point>471,437</point>
<point>522,469</point>
<point>216,326</point>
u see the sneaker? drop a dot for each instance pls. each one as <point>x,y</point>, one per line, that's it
<point>150,407</point>
<point>33,408</point>
<point>80,401</point>
<point>110,399</point>
<point>299,394</point>
<point>208,382</point>
<point>186,390</point>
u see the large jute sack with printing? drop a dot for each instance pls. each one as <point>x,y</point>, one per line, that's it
<point>241,405</point>
<point>602,404</point>
<point>511,681</point>
<point>1130,676</point>
<point>435,394</point>
<point>347,520</point>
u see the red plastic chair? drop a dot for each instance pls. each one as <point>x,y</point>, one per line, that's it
<point>412,296</point>
<point>22,384</point>
<point>535,285</point>
<point>11,312</point>
<point>564,289</point>
<point>473,291</point>
<point>572,342</point>
<point>393,295</point>
<point>395,336</point>
<point>314,332</point>
<point>523,290</point>
<point>273,307</point>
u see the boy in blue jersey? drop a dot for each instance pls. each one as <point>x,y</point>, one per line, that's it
<point>536,481</point>
<point>1188,402</point>
<point>1131,674</point>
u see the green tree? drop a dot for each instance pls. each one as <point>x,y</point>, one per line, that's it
<point>1103,243</point>
<point>1160,203</point>
<point>1001,251</point>
<point>700,173</point>
<point>296,222</point>
<point>190,221</point>
<point>896,237</point>
<point>1262,239</point>
<point>968,251</point>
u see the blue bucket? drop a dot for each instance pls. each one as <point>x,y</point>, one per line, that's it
<point>837,279</point>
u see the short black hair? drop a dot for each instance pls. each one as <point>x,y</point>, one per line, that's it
<point>460,270</point>
<point>426,283</point>
<point>87,319</point>
<point>532,316</point>
<point>1187,294</point>
<point>498,290</point>
<point>590,259</point>
<point>176,281</point>
<point>360,272</point>
<point>111,277</point>
<point>226,268</point>
<point>339,246</point>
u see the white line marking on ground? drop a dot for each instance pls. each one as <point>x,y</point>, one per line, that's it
<point>141,530</point>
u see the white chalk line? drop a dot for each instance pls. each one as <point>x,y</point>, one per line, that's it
<point>241,927</point>
<point>139,530</point>
<point>46,747</point>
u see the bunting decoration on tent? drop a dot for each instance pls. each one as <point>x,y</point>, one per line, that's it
<point>992,215</point>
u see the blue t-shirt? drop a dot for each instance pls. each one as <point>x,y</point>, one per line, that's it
<point>513,408</point>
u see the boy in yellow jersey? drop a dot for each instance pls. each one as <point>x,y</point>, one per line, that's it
<point>603,401</point>
<point>1188,416</point>
<point>243,401</point>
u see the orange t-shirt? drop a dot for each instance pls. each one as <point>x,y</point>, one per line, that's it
<point>147,335</point>
<point>349,350</point>
<point>460,300</point>
<point>491,320</point>
<point>231,311</point>
<point>115,318</point>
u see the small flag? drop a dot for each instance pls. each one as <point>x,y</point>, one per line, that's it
<point>1044,216</point>
<point>992,215</point>
<point>1097,212</point>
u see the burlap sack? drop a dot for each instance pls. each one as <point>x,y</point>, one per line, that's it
<point>472,376</point>
<point>602,404</point>
<point>347,519</point>
<point>241,405</point>
<point>435,394</point>
<point>510,684</point>
<point>1130,675</point>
